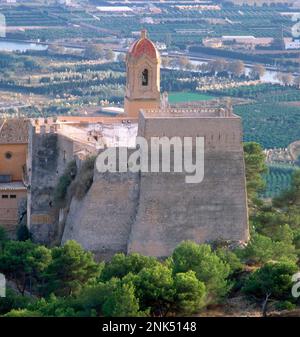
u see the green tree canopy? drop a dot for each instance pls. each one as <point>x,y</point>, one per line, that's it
<point>94,52</point>
<point>190,293</point>
<point>209,268</point>
<point>291,198</point>
<point>255,166</point>
<point>262,249</point>
<point>273,280</point>
<point>122,301</point>
<point>3,238</point>
<point>154,288</point>
<point>24,261</point>
<point>70,269</point>
<point>121,264</point>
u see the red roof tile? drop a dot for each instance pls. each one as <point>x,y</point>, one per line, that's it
<point>143,46</point>
<point>14,131</point>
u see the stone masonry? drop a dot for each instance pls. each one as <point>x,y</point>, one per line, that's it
<point>151,213</point>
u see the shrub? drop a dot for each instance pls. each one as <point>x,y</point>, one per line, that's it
<point>190,293</point>
<point>122,301</point>
<point>70,269</point>
<point>285,305</point>
<point>84,179</point>
<point>64,182</point>
<point>209,268</point>
<point>262,249</point>
<point>121,265</point>
<point>274,279</point>
<point>3,238</point>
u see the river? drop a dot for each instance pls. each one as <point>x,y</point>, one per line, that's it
<point>20,46</point>
<point>270,76</point>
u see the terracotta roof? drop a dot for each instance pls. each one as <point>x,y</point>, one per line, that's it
<point>143,46</point>
<point>14,131</point>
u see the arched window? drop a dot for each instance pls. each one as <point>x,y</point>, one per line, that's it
<point>145,77</point>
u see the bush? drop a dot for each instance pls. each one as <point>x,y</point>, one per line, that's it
<point>70,269</point>
<point>209,268</point>
<point>3,238</point>
<point>84,179</point>
<point>64,182</point>
<point>155,288</point>
<point>285,305</point>
<point>121,265</point>
<point>262,249</point>
<point>122,301</point>
<point>24,262</point>
<point>13,301</point>
<point>190,293</point>
<point>229,257</point>
<point>274,279</point>
<point>22,313</point>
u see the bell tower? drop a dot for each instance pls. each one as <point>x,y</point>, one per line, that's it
<point>143,77</point>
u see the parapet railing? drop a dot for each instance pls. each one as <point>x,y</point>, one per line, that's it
<point>189,112</point>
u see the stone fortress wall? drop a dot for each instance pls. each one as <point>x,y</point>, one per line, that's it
<point>170,210</point>
<point>47,166</point>
<point>50,154</point>
<point>102,221</point>
<point>151,213</point>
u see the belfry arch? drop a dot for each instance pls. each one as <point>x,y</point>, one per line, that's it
<point>143,77</point>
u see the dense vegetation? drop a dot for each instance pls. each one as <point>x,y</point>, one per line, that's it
<point>66,280</point>
<point>278,179</point>
<point>271,125</point>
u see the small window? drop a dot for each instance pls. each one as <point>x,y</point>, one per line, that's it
<point>8,155</point>
<point>13,196</point>
<point>4,196</point>
<point>145,77</point>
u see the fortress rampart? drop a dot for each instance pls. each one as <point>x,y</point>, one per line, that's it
<point>151,213</point>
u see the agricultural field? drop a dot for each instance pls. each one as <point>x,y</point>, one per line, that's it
<point>264,93</point>
<point>179,97</point>
<point>32,16</point>
<point>174,25</point>
<point>271,125</point>
<point>277,180</point>
<point>60,84</point>
<point>272,116</point>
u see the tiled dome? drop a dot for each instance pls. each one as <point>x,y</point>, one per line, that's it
<point>143,46</point>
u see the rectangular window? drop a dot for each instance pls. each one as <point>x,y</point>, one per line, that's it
<point>4,196</point>
<point>13,196</point>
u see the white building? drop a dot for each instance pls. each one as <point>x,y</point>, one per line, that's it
<point>114,9</point>
<point>291,44</point>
